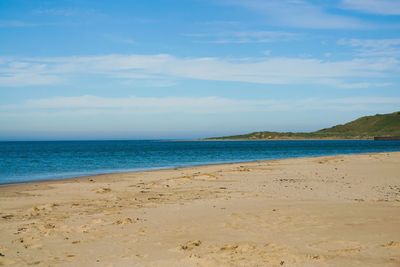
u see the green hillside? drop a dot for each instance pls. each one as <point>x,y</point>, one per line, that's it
<point>386,124</point>
<point>363,128</point>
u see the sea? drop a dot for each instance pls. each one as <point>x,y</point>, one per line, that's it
<point>48,160</point>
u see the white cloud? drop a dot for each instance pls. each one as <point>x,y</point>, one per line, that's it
<point>276,70</point>
<point>299,14</point>
<point>381,7</point>
<point>95,117</point>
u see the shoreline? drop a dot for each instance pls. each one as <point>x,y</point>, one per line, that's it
<point>178,167</point>
<point>341,210</point>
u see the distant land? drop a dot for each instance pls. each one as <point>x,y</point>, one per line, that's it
<point>379,126</point>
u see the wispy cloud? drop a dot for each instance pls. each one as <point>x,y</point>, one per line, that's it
<point>140,104</point>
<point>67,12</point>
<point>380,7</point>
<point>358,85</point>
<point>374,47</point>
<point>221,23</point>
<point>120,39</point>
<point>299,14</point>
<point>16,24</point>
<point>194,105</point>
<point>244,37</point>
<point>278,70</point>
<point>25,73</point>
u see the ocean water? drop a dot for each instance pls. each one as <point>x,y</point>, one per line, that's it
<point>30,161</point>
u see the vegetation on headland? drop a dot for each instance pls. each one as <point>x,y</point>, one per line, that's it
<point>363,128</point>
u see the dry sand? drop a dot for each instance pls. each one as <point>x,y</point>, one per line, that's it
<point>329,211</point>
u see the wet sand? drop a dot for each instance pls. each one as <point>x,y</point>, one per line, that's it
<point>327,211</point>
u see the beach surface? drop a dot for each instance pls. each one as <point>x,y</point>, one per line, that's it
<point>326,211</point>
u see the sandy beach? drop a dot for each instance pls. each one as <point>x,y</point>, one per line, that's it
<point>326,211</point>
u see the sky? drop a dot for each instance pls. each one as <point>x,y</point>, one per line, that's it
<point>166,69</point>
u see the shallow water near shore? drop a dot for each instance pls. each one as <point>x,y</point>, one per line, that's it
<point>32,161</point>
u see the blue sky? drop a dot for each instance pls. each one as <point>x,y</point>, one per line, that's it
<point>123,69</point>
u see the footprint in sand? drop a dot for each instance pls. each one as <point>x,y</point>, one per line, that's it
<point>102,190</point>
<point>391,244</point>
<point>38,210</point>
<point>251,254</point>
<point>243,169</point>
<point>124,221</point>
<point>338,247</point>
<point>190,245</point>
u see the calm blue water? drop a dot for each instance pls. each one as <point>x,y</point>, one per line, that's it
<point>28,161</point>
